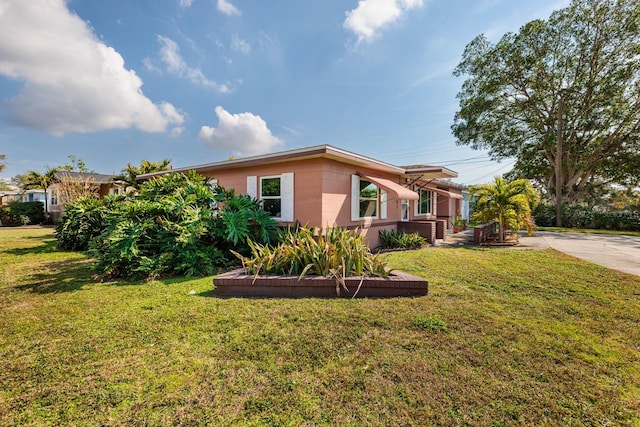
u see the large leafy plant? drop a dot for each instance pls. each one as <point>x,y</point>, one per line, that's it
<point>178,224</point>
<point>82,222</point>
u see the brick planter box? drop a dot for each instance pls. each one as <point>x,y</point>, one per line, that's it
<point>236,283</point>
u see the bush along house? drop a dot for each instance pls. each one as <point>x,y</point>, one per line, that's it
<point>325,186</point>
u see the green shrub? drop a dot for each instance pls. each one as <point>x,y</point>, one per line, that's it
<point>33,211</point>
<point>580,216</point>
<point>544,215</point>
<point>339,253</point>
<point>174,227</point>
<point>392,239</point>
<point>7,219</point>
<point>83,222</point>
<point>616,220</point>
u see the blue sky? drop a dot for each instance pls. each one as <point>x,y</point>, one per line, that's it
<point>197,81</point>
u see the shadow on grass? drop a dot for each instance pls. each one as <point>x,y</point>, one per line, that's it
<point>137,282</point>
<point>48,246</point>
<point>60,276</point>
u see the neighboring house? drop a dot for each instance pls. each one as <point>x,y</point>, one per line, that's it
<point>21,196</point>
<point>325,186</point>
<point>70,185</point>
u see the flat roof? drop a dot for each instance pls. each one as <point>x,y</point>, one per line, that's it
<point>431,171</point>
<point>325,151</point>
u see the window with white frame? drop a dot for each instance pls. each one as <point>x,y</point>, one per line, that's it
<point>275,193</point>
<point>271,195</point>
<point>117,191</point>
<point>367,200</point>
<point>53,197</point>
<point>425,203</point>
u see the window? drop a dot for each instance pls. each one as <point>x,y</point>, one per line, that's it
<point>425,202</point>
<point>368,200</point>
<point>54,197</point>
<point>275,193</point>
<point>271,196</point>
<point>117,191</point>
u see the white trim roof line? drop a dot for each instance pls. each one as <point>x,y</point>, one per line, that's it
<point>324,150</point>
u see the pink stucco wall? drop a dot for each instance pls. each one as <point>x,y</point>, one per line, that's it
<point>322,194</point>
<point>336,201</point>
<point>307,185</point>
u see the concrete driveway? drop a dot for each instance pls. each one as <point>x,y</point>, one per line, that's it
<point>617,252</point>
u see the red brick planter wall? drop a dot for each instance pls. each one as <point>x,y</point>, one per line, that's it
<point>426,229</point>
<point>482,233</point>
<point>236,283</point>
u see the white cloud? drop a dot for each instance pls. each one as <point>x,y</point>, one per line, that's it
<point>227,8</point>
<point>175,65</point>
<point>185,3</point>
<point>244,134</point>
<point>72,81</point>
<point>371,16</point>
<point>239,45</point>
<point>176,131</point>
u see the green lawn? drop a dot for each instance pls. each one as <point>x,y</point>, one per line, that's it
<point>506,337</point>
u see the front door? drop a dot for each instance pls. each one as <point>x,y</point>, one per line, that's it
<point>404,213</point>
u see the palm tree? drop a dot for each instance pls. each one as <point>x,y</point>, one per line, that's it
<point>508,203</point>
<point>130,173</point>
<point>33,179</point>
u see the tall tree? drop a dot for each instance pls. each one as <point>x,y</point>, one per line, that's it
<point>130,173</point>
<point>562,96</point>
<point>3,185</point>
<point>508,203</point>
<point>77,165</point>
<point>33,179</point>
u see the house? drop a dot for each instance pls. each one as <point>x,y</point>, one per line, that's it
<point>70,185</point>
<point>21,196</point>
<point>324,186</point>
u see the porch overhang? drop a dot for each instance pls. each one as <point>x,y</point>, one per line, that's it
<point>397,190</point>
<point>445,193</point>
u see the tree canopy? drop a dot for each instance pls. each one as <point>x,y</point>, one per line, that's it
<point>129,175</point>
<point>2,157</point>
<point>77,165</point>
<point>33,179</point>
<point>561,96</point>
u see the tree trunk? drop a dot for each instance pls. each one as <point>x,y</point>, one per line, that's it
<point>558,164</point>
<point>46,206</point>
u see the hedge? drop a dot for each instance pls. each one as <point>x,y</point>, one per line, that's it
<point>21,213</point>
<point>580,216</point>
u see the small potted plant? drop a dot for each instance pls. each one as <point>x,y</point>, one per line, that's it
<point>459,224</point>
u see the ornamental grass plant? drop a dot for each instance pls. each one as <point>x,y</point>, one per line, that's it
<point>337,253</point>
<point>392,239</point>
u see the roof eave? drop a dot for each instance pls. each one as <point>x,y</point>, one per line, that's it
<point>326,151</point>
<point>431,172</point>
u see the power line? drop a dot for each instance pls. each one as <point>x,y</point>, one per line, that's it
<point>491,173</point>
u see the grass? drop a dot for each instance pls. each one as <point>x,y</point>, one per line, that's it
<point>590,231</point>
<point>506,337</point>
